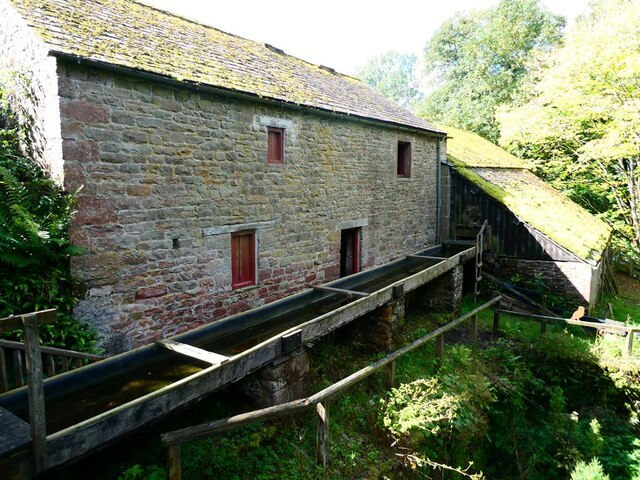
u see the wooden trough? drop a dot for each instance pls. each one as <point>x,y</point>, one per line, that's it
<point>94,405</point>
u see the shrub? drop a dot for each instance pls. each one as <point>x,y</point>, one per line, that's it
<point>34,243</point>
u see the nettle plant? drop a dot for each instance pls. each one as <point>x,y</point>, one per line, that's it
<point>34,242</point>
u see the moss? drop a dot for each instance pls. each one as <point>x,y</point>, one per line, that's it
<point>470,150</point>
<point>133,35</point>
<point>544,208</point>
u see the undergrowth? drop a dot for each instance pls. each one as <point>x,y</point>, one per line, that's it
<point>519,406</point>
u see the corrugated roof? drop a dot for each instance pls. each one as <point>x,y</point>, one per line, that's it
<point>532,200</point>
<point>134,35</point>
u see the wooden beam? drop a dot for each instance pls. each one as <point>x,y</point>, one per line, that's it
<point>427,257</point>
<point>193,352</point>
<point>594,325</point>
<point>37,421</point>
<point>14,322</point>
<point>350,293</point>
<point>53,351</point>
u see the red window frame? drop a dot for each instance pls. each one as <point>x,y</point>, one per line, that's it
<point>275,145</point>
<point>243,259</point>
<point>403,164</point>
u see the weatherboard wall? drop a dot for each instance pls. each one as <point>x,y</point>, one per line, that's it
<point>517,248</point>
<point>168,173</point>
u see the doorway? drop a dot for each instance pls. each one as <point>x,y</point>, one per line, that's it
<point>349,251</point>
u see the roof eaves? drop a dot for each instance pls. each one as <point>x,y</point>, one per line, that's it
<point>155,76</point>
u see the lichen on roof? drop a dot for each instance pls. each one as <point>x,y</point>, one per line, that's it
<point>133,35</point>
<point>529,198</point>
<point>471,150</point>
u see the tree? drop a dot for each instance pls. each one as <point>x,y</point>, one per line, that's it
<point>393,74</point>
<point>478,60</point>
<point>582,127</point>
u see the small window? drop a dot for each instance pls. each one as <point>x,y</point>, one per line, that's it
<point>275,148</point>
<point>404,160</point>
<point>243,259</point>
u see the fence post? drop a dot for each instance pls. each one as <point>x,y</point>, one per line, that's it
<point>630,335</point>
<point>322,444</point>
<point>439,351</point>
<point>37,419</point>
<point>389,375</point>
<point>474,330</point>
<point>496,321</point>
<point>174,462</point>
<point>543,327</point>
<point>4,378</point>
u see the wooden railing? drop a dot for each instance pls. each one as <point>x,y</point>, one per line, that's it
<point>479,258</point>
<point>172,441</point>
<point>30,353</point>
<point>55,361</point>
<point>628,330</point>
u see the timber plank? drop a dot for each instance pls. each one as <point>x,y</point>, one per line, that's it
<point>193,352</point>
<point>19,436</point>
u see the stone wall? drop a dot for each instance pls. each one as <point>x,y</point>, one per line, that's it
<point>30,74</point>
<point>577,281</point>
<point>168,173</point>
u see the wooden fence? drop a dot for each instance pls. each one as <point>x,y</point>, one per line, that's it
<point>28,358</point>
<point>13,373</point>
<point>172,441</point>
<point>318,402</point>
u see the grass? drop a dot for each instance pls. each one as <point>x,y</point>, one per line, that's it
<point>595,378</point>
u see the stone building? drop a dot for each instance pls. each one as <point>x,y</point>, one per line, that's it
<point>217,173</point>
<point>533,228</point>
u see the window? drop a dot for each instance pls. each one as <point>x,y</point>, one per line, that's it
<point>404,160</point>
<point>243,259</point>
<point>275,145</point>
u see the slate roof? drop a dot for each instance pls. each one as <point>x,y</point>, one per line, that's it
<point>506,179</point>
<point>130,34</point>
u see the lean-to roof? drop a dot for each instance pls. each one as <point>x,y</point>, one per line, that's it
<point>506,179</point>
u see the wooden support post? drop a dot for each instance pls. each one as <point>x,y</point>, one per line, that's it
<point>50,364</point>
<point>543,327</point>
<point>630,335</point>
<point>439,350</point>
<point>496,322</point>
<point>37,420</point>
<point>65,364</point>
<point>18,368</point>
<point>4,379</point>
<point>389,375</point>
<point>474,330</point>
<point>322,445</point>
<point>78,362</point>
<point>174,462</point>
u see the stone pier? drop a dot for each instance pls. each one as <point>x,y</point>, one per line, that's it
<point>284,380</point>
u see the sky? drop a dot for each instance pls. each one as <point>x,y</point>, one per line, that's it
<point>342,34</point>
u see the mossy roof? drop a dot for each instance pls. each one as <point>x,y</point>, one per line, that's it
<point>133,35</point>
<point>504,177</point>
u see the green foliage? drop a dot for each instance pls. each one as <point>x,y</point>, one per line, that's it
<point>34,243</point>
<point>478,61</point>
<point>580,126</point>
<point>393,74</point>
<point>140,472</point>
<point>589,471</point>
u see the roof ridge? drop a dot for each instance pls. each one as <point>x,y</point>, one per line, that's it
<point>270,46</point>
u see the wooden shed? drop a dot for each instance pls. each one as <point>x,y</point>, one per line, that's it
<point>534,228</point>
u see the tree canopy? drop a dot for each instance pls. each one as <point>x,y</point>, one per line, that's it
<point>478,60</point>
<point>582,124</point>
<point>393,74</point>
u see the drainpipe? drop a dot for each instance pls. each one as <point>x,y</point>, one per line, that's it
<point>438,188</point>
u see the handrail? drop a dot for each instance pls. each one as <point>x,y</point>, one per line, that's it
<point>53,351</point>
<point>173,440</point>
